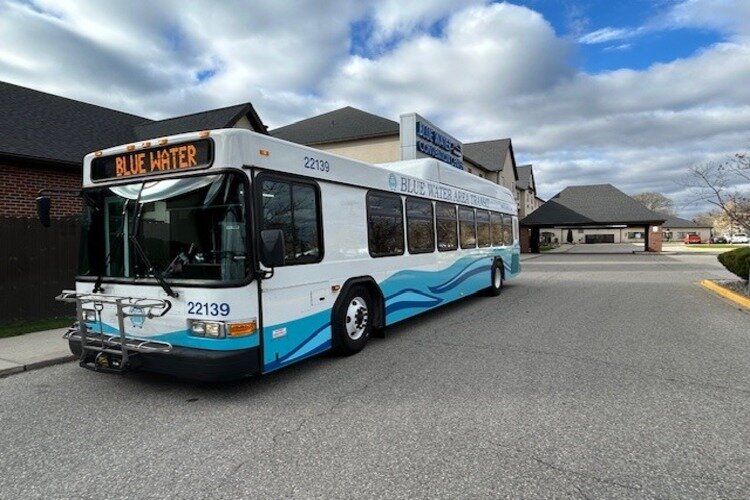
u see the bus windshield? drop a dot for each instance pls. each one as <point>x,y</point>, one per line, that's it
<point>184,229</point>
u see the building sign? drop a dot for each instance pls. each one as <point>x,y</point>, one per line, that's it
<point>422,139</point>
<point>161,160</point>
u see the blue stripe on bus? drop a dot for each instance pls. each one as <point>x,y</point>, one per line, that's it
<point>406,293</point>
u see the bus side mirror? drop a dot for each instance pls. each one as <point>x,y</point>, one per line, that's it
<point>43,205</point>
<point>272,247</point>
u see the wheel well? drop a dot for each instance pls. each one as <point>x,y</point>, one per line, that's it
<point>499,261</point>
<point>378,317</point>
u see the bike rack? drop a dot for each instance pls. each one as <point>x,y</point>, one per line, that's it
<point>119,344</point>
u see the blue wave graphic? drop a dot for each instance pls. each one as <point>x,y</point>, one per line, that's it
<point>451,282</point>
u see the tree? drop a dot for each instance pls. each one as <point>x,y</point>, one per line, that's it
<point>569,239</point>
<point>725,185</point>
<point>656,202</point>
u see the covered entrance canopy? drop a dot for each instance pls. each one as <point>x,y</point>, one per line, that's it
<point>599,210</point>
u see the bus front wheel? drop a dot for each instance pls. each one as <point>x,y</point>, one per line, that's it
<point>352,324</point>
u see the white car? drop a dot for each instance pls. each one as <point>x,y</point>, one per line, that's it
<point>739,238</point>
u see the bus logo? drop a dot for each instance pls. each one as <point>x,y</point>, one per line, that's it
<point>392,182</point>
<point>138,317</point>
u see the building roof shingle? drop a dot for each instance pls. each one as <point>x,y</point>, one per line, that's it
<point>205,120</point>
<point>599,204</point>
<point>45,127</point>
<point>345,124</point>
<point>37,125</point>
<point>673,221</point>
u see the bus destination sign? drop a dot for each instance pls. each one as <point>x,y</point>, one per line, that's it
<point>161,160</point>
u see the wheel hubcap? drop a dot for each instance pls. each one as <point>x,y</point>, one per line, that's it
<point>356,318</point>
<point>498,279</point>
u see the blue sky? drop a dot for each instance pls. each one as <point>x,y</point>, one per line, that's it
<point>629,92</point>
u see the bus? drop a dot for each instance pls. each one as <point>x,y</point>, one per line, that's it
<point>220,254</point>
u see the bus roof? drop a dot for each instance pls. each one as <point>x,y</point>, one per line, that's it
<point>238,148</point>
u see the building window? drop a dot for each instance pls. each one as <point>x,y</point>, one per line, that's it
<point>483,228</point>
<point>293,207</point>
<point>447,226</point>
<point>385,224</point>
<point>419,226</point>
<point>467,227</point>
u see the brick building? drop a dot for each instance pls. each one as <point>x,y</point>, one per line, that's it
<point>43,139</point>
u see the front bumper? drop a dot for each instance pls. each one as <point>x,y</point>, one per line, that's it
<point>194,364</point>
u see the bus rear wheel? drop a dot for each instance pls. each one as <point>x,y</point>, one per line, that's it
<point>496,285</point>
<point>352,322</point>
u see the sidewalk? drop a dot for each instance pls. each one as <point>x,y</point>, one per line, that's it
<point>33,350</point>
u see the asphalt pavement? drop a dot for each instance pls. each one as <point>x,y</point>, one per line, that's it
<point>590,376</point>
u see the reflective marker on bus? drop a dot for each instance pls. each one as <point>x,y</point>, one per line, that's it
<point>224,254</point>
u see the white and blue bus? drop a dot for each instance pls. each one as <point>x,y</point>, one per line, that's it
<point>219,254</point>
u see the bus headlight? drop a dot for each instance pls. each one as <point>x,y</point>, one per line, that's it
<point>89,315</point>
<point>209,329</point>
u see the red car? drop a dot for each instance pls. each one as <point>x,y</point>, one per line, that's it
<point>692,238</point>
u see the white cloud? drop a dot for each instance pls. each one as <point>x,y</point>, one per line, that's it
<point>494,71</point>
<point>608,34</point>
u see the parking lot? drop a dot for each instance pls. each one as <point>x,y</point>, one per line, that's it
<point>590,376</point>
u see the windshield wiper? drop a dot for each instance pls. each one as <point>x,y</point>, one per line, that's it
<point>139,249</point>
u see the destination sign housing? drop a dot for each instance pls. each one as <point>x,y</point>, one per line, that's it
<point>155,161</point>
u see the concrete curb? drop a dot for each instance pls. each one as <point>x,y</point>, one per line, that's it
<point>14,369</point>
<point>726,293</point>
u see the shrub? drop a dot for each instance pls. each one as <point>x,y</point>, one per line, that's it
<point>737,261</point>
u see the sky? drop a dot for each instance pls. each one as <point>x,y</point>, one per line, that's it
<point>630,93</point>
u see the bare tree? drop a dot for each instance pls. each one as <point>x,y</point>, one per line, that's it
<point>656,202</point>
<point>726,186</point>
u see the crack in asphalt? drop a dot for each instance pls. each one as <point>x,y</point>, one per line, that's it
<point>567,473</point>
<point>277,437</point>
<point>630,369</point>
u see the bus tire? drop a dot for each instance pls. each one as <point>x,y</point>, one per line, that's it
<point>352,322</point>
<point>497,279</point>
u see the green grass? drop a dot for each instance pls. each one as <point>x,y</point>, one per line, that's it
<point>33,326</point>
<point>546,248</point>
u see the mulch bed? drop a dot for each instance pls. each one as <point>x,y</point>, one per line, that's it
<point>737,286</point>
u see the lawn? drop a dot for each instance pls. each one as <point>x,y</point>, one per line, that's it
<point>33,326</point>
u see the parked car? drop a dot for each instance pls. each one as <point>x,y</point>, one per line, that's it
<point>739,238</point>
<point>718,239</point>
<point>692,238</point>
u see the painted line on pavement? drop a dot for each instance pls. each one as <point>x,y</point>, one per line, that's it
<point>726,293</point>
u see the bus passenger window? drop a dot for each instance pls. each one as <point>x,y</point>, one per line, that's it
<point>507,230</point>
<point>293,208</point>
<point>385,224</point>
<point>447,229</point>
<point>419,228</point>
<point>496,221</point>
<point>483,228</point>
<point>467,227</point>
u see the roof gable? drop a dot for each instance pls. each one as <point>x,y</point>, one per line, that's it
<point>598,204</point>
<point>492,154</point>
<point>525,177</point>
<point>343,124</point>
<point>205,120</point>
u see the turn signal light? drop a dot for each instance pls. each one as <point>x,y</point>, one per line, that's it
<point>204,133</point>
<point>241,329</point>
<point>264,152</point>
